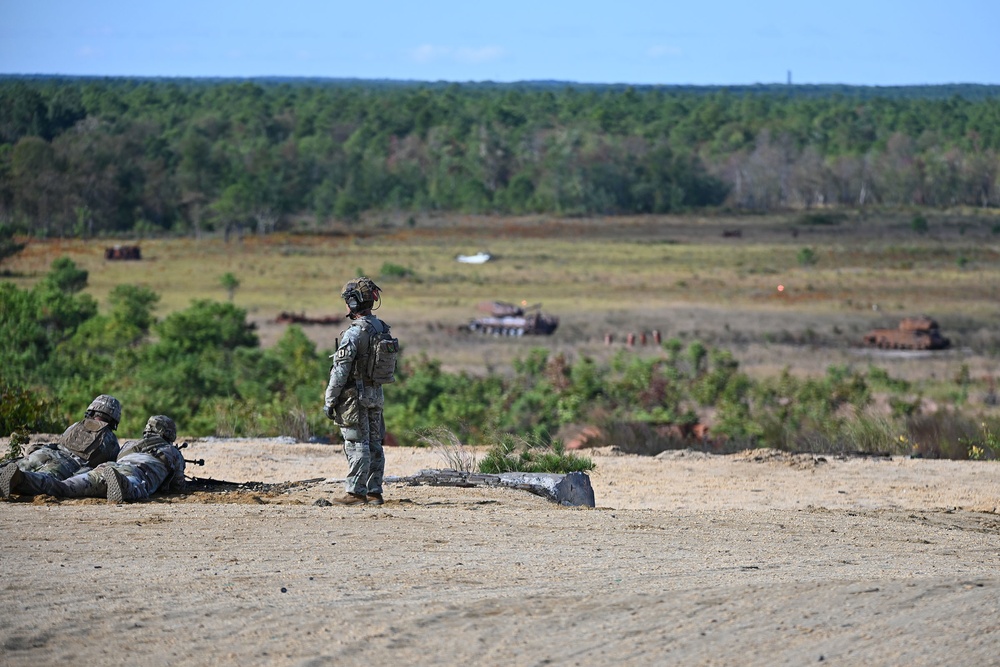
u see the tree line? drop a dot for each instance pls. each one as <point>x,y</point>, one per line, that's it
<point>86,156</point>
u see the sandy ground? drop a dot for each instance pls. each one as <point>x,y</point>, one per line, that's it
<point>749,559</point>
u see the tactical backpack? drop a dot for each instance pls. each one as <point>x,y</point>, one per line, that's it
<point>383,350</point>
<point>86,439</point>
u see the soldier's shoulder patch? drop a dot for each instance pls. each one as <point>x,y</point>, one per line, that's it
<point>341,353</point>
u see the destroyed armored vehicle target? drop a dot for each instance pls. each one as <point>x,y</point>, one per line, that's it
<point>123,252</point>
<point>913,333</point>
<point>508,319</point>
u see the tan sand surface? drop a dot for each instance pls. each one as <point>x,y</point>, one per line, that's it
<point>760,558</point>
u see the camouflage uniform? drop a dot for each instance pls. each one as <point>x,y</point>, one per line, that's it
<point>85,444</point>
<point>143,467</point>
<point>355,402</point>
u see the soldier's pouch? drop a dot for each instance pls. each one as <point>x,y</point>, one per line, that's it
<point>347,411</point>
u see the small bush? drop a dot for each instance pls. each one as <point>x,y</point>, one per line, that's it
<point>237,418</point>
<point>919,224</point>
<point>870,433</point>
<point>230,283</point>
<point>807,257</point>
<point>24,409</point>
<point>822,218</point>
<point>18,439</point>
<point>514,454</point>
<point>450,448</point>
<point>390,270</point>
<point>941,435</point>
<point>985,446</point>
<point>294,422</point>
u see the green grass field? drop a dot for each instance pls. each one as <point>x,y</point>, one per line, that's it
<point>679,275</point>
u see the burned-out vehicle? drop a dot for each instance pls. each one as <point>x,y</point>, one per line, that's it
<point>123,252</point>
<point>508,319</point>
<point>286,317</point>
<point>913,333</point>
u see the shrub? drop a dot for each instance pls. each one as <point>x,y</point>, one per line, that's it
<point>511,453</point>
<point>941,435</point>
<point>807,257</point>
<point>18,439</point>
<point>870,433</point>
<point>450,448</point>
<point>390,270</point>
<point>65,276</point>
<point>919,224</point>
<point>230,283</point>
<point>984,447</point>
<point>25,409</point>
<point>822,218</point>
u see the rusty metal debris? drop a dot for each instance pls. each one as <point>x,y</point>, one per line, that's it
<point>301,318</point>
<point>126,252</point>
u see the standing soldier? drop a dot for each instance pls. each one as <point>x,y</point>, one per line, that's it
<point>365,360</point>
<point>87,443</point>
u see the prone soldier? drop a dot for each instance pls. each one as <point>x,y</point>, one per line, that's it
<point>85,444</point>
<point>142,468</point>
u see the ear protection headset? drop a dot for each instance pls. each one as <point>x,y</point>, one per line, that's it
<point>355,298</point>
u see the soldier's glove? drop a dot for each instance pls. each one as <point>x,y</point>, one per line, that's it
<point>329,411</point>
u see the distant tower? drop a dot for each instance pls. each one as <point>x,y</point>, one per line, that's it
<point>789,77</point>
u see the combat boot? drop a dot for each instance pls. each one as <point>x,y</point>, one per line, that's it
<point>10,479</point>
<point>117,486</point>
<point>375,499</point>
<point>350,499</point>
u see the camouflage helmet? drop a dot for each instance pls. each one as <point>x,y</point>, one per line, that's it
<point>360,293</point>
<point>109,406</point>
<point>161,425</point>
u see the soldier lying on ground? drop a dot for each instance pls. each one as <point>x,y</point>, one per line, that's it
<point>87,443</point>
<point>143,467</point>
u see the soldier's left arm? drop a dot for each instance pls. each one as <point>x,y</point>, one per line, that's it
<point>175,463</point>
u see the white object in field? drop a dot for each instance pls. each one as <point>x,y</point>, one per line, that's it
<point>478,258</point>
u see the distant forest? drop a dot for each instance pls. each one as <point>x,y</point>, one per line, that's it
<point>90,156</point>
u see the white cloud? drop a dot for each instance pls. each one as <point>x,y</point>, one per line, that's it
<point>86,51</point>
<point>484,54</point>
<point>663,51</point>
<point>426,53</point>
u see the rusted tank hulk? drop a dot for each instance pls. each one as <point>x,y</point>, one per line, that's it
<point>507,319</point>
<point>913,333</point>
<point>123,252</point>
<point>285,317</point>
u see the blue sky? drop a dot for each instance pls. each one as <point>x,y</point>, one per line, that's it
<point>869,42</point>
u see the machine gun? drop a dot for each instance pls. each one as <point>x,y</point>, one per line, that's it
<point>197,462</point>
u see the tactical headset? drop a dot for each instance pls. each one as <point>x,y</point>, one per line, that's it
<point>355,298</point>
